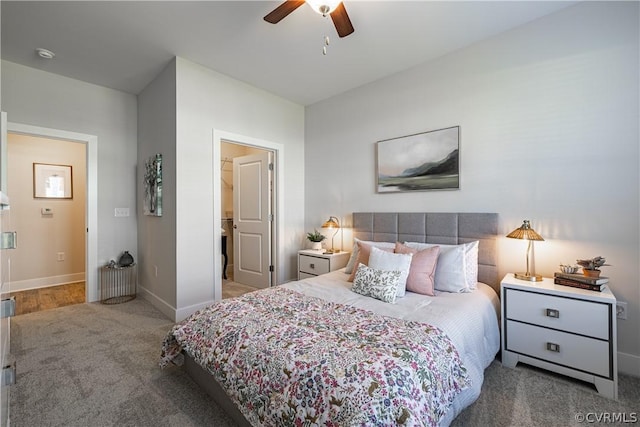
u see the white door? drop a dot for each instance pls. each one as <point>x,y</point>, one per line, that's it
<point>252,219</point>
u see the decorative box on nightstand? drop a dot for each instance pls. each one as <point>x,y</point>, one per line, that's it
<point>313,263</point>
<point>562,329</point>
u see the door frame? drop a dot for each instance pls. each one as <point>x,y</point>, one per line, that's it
<point>277,238</point>
<point>91,212</point>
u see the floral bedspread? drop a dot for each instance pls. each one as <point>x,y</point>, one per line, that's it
<point>288,359</point>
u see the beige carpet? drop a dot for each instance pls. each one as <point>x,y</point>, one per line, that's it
<point>97,365</point>
<point>91,365</point>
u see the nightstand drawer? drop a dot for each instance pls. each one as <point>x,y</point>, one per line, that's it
<point>313,265</point>
<point>577,352</point>
<point>566,314</point>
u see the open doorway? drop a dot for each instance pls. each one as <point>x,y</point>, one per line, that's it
<point>47,182</point>
<point>90,220</point>
<point>246,212</point>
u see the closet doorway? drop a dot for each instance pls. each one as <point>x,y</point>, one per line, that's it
<point>247,226</point>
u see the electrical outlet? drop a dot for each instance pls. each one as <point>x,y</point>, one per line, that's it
<point>621,310</point>
<point>60,256</point>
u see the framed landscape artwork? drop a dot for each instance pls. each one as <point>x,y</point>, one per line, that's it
<point>419,162</point>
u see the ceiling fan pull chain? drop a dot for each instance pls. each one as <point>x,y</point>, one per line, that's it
<point>326,43</point>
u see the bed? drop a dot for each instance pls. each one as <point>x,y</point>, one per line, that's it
<point>314,352</point>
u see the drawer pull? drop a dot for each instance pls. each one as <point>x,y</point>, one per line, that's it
<point>553,347</point>
<point>552,312</point>
<point>312,265</point>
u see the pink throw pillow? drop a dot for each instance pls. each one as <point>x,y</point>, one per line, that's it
<point>423,268</point>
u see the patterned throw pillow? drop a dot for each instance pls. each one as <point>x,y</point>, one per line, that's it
<point>379,284</point>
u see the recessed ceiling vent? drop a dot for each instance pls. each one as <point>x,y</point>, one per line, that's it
<point>45,53</point>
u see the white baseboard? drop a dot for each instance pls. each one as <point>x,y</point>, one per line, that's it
<point>171,312</point>
<point>163,306</point>
<point>629,364</point>
<point>46,282</point>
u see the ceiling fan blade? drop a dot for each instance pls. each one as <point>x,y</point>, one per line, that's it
<point>341,21</point>
<point>281,12</point>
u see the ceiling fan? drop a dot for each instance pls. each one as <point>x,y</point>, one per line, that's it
<point>334,8</point>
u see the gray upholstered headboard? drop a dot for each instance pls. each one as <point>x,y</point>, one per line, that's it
<point>438,227</point>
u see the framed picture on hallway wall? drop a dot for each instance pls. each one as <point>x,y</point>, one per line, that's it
<point>419,162</point>
<point>52,181</point>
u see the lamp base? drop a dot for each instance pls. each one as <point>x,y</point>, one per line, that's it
<point>528,277</point>
<point>333,251</point>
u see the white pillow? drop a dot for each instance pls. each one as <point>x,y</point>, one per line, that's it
<point>389,261</point>
<point>354,253</point>
<point>379,284</point>
<point>471,263</point>
<point>457,268</point>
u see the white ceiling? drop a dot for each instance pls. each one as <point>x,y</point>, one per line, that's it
<point>124,44</point>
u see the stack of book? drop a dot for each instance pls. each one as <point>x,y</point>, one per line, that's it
<point>581,281</point>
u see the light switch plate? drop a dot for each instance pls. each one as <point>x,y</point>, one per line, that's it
<point>122,212</point>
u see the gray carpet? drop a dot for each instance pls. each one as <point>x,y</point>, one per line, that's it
<point>97,365</point>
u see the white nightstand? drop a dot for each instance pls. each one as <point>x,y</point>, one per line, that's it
<point>313,263</point>
<point>562,329</point>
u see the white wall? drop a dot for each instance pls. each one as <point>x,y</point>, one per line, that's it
<point>549,132</point>
<point>208,102</point>
<point>47,100</point>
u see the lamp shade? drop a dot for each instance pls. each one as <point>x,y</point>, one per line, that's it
<point>332,222</point>
<point>525,232</point>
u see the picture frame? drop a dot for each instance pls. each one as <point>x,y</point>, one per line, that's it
<point>52,181</point>
<point>419,162</point>
<point>152,204</point>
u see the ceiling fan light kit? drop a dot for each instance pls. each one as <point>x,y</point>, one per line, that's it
<point>323,7</point>
<point>334,8</point>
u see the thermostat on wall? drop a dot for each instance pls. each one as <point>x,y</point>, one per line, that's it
<point>46,211</point>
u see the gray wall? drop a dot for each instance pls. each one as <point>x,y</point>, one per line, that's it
<point>549,132</point>
<point>157,235</point>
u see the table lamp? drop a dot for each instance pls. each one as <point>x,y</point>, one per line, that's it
<point>332,222</point>
<point>525,232</point>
